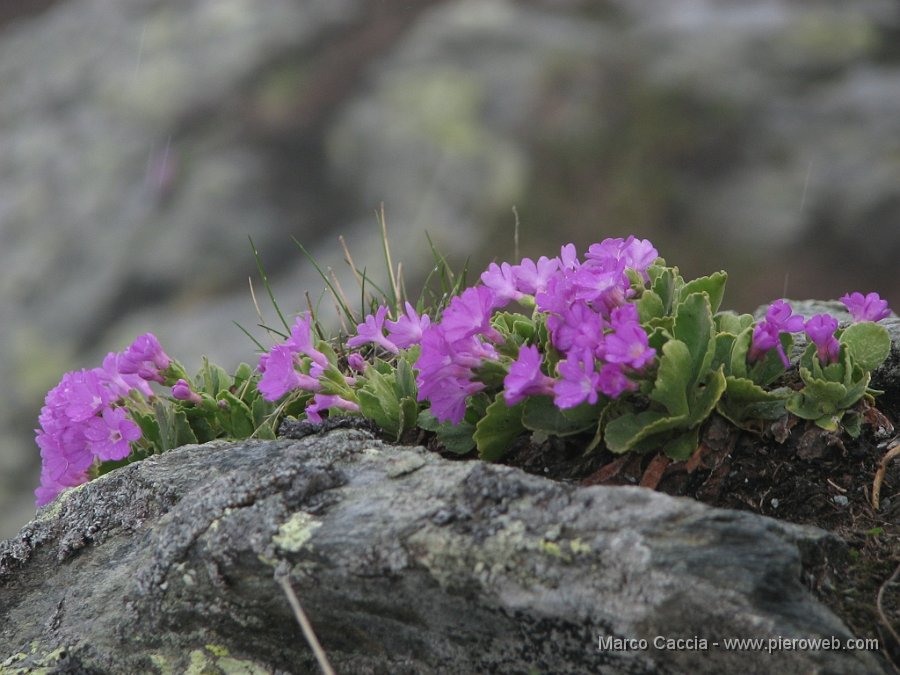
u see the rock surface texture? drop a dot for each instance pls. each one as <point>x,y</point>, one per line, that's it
<point>405,563</point>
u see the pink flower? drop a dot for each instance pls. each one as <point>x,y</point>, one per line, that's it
<point>533,277</point>
<point>322,402</point>
<point>579,382</point>
<point>301,340</point>
<point>502,281</point>
<point>181,391</point>
<point>525,377</point>
<point>111,434</point>
<point>766,335</point>
<point>280,374</point>
<point>470,314</point>
<point>820,329</point>
<point>866,307</point>
<point>628,346</point>
<point>357,363</point>
<point>613,381</point>
<point>145,358</point>
<point>121,385</point>
<point>372,331</point>
<point>407,330</point>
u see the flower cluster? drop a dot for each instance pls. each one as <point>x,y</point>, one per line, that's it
<point>591,326</point>
<point>615,344</point>
<point>84,419</point>
<point>820,329</point>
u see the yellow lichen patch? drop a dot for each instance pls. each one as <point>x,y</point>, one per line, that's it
<point>232,666</point>
<point>161,663</point>
<point>217,650</point>
<point>296,531</point>
<point>201,664</point>
<point>579,547</point>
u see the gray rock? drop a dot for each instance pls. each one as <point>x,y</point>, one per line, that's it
<point>405,563</point>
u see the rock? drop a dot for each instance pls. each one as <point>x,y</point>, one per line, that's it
<point>405,563</point>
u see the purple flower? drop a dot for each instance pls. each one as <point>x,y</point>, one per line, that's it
<point>323,402</point>
<point>470,314</point>
<point>445,371</point>
<point>637,254</point>
<point>628,346</point>
<point>766,334</point>
<point>301,340</point>
<point>613,381</point>
<point>357,363</point>
<point>820,329</point>
<point>119,384</point>
<point>372,331</point>
<point>578,327</point>
<point>181,391</point>
<point>604,285</point>
<point>531,277</point>
<point>111,434</point>
<point>82,393</point>
<point>145,358</point>
<point>279,369</point>
<point>502,281</point>
<point>407,330</point>
<point>568,257</point>
<point>579,382</point>
<point>866,307</point>
<point>781,315</point>
<point>525,377</point>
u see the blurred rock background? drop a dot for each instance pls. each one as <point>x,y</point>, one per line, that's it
<point>143,141</point>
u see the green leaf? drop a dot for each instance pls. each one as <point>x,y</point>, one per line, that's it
<point>827,394</point>
<point>409,414</point>
<point>149,426</point>
<point>490,372</point>
<point>457,438</point>
<point>704,398</point>
<point>650,306</point>
<point>732,322</point>
<point>405,380</point>
<point>713,286</point>
<point>673,379</point>
<point>744,400</point>
<point>213,379</point>
<point>625,432</point>
<point>664,282</point>
<point>868,343</point>
<point>238,419</point>
<point>683,446</point>
<point>262,418</point>
<point>427,421</point>
<point>499,427</point>
<point>724,346</point>
<point>184,435</point>
<point>378,400</point>
<point>541,414</point>
<point>694,326</point>
<point>243,373</point>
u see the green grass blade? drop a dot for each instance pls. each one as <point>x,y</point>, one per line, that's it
<point>347,311</point>
<point>265,280</point>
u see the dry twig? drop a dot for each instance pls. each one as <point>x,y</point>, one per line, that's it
<point>894,451</point>
<point>306,626</point>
